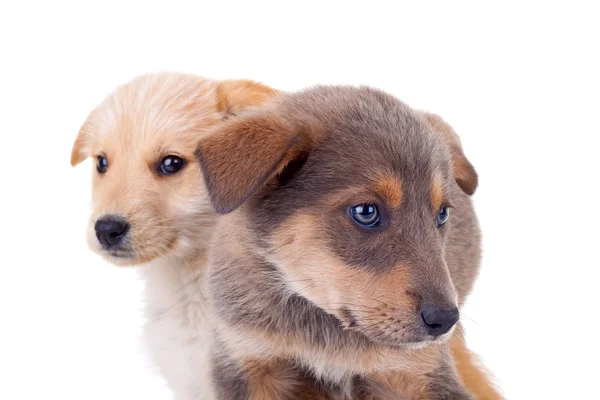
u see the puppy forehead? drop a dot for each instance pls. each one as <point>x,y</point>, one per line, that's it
<point>369,129</point>
<point>391,167</point>
<point>163,107</point>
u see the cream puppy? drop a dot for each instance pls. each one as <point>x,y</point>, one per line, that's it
<point>150,206</point>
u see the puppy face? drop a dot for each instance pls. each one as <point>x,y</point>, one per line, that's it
<point>148,196</point>
<point>349,193</point>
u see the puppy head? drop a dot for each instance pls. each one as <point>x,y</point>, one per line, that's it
<point>148,196</point>
<point>349,192</point>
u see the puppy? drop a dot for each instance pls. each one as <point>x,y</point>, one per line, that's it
<point>150,207</point>
<point>346,246</point>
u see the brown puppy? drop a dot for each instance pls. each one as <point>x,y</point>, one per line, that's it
<point>337,265</point>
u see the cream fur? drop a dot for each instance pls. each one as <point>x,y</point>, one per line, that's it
<point>177,333</point>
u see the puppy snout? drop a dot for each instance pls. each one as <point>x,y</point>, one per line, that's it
<point>111,231</point>
<point>438,319</point>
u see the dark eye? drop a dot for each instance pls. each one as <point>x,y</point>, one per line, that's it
<point>442,217</point>
<point>170,165</point>
<point>366,215</point>
<point>102,164</point>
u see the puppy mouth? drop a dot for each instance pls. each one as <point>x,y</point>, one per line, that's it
<point>120,253</point>
<point>129,256</point>
<point>397,338</point>
<point>120,256</point>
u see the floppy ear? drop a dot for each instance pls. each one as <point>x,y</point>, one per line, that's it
<point>234,95</point>
<point>80,151</point>
<point>464,172</point>
<point>242,155</point>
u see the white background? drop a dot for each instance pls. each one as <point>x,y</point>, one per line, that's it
<point>519,83</point>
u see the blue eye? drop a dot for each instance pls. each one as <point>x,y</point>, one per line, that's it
<point>442,217</point>
<point>366,215</point>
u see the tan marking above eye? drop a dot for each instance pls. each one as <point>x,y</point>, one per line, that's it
<point>350,196</point>
<point>389,187</point>
<point>437,192</point>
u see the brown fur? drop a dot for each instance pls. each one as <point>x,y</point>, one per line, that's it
<point>389,188</point>
<point>437,193</point>
<point>464,172</point>
<point>259,160</point>
<point>472,373</point>
<point>412,385</point>
<point>271,380</point>
<point>294,279</point>
<point>234,96</point>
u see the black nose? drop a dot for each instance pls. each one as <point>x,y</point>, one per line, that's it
<point>110,231</point>
<point>439,320</point>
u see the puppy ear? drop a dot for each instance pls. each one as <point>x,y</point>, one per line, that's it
<point>242,155</point>
<point>464,172</point>
<point>234,95</point>
<point>80,151</point>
